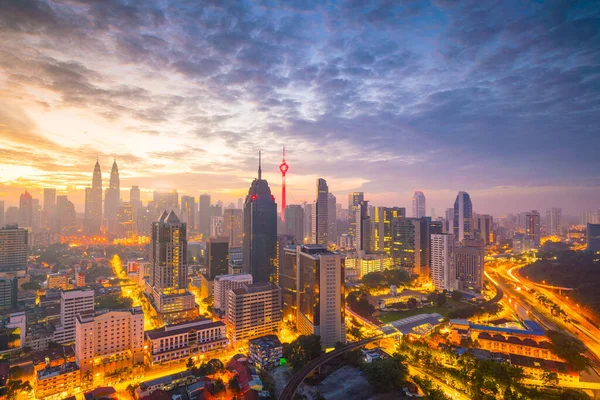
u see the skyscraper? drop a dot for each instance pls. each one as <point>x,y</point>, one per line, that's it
<point>364,235</point>
<point>294,222</point>
<point>1,214</point>
<point>320,224</point>
<point>418,204</point>
<point>233,226</point>
<point>469,260</point>
<point>553,217</point>
<point>593,237</point>
<point>165,201</point>
<point>354,199</point>
<point>204,215</point>
<point>308,221</point>
<point>217,250</point>
<point>443,269</point>
<point>382,227</point>
<point>532,227</point>
<point>260,230</point>
<point>66,216</point>
<point>169,271</point>
<point>14,247</point>
<point>93,203</point>
<point>484,226</point>
<point>320,295</point>
<point>188,211</point>
<point>332,218</point>
<point>26,210</point>
<point>48,218</point>
<point>463,217</point>
<point>135,197</point>
<point>283,167</point>
<point>112,198</point>
<point>125,221</point>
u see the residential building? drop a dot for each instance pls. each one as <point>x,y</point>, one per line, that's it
<point>418,204</point>
<point>354,199</point>
<point>224,283</point>
<point>183,340</point>
<point>14,249</point>
<point>8,292</point>
<point>363,240</point>
<point>57,382</point>
<point>253,310</point>
<point>320,295</point>
<point>532,228</point>
<point>59,280</point>
<point>72,304</point>
<point>463,217</point>
<point>265,352</point>
<point>109,340</point>
<point>382,227</point>
<point>553,220</point>
<point>260,230</point>
<point>443,269</point>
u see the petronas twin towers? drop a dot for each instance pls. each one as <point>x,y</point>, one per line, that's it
<point>93,201</point>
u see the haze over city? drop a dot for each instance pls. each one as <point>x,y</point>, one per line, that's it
<point>383,97</point>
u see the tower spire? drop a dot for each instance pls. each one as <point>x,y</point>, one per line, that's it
<point>259,168</point>
<point>283,167</point>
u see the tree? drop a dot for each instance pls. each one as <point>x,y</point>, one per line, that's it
<point>17,372</point>
<point>213,366</point>
<point>131,390</point>
<point>15,387</point>
<point>441,299</point>
<point>568,348</point>
<point>302,350</point>
<point>190,363</point>
<point>30,286</point>
<point>412,303</point>
<point>218,386</point>
<point>456,295</point>
<point>386,374</point>
<point>574,394</point>
<point>234,384</point>
<point>550,378</point>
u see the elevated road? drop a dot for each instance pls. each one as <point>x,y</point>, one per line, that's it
<point>289,391</point>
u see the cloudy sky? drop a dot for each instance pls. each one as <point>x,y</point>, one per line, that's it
<point>499,99</point>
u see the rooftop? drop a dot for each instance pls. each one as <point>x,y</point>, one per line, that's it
<point>268,341</point>
<point>184,327</point>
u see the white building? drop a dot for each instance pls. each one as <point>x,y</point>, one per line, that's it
<point>443,269</point>
<point>72,304</point>
<point>109,336</point>
<point>553,217</point>
<point>418,204</point>
<point>223,283</point>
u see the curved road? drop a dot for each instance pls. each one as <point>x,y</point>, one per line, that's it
<point>292,386</point>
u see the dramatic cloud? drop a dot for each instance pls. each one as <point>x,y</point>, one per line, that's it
<point>498,99</point>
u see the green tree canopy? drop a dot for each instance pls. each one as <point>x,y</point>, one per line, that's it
<point>386,374</point>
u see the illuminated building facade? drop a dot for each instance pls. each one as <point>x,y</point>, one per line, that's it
<point>93,202</point>
<point>553,219</point>
<point>125,221</point>
<point>224,283</point>
<point>364,228</point>
<point>354,199</point>
<point>287,281</point>
<point>470,261</point>
<point>320,295</point>
<point>253,310</point>
<point>364,263</point>
<point>260,230</point>
<point>112,198</point>
<point>443,269</point>
<point>58,280</point>
<point>72,304</point>
<point>8,292</point>
<point>320,224</point>
<point>308,221</point>
<point>14,249</point>
<point>233,226</point>
<point>188,211</point>
<point>382,227</point>
<point>463,217</point>
<point>532,228</point>
<point>105,339</point>
<point>418,204</point>
<point>57,382</point>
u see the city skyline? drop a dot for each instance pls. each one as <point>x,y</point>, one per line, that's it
<point>383,99</point>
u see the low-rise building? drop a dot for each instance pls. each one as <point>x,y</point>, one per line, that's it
<point>59,280</point>
<point>180,341</point>
<point>57,382</point>
<point>165,383</point>
<point>535,368</point>
<point>265,351</point>
<point>418,325</point>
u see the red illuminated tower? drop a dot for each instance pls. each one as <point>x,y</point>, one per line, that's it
<point>283,167</point>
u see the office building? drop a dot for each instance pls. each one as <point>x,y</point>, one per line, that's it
<point>135,197</point>
<point>332,218</point>
<point>484,224</point>
<point>320,216</point>
<point>308,221</point>
<point>216,226</point>
<point>363,240</point>
<point>294,222</point>
<point>365,263</point>
<point>66,216</point>
<point>112,199</point>
<point>382,227</point>
<point>8,293</point>
<point>14,249</point>
<point>265,352</point>
<point>165,201</point>
<point>224,283</point>
<point>354,199</point>
<point>469,264</point>
<point>553,220</point>
<point>125,221</point>
<point>182,341</point>
<point>287,281</point>
<point>217,251</point>
<point>403,243</point>
<point>48,217</point>
<point>168,278</point>
<point>12,216</point>
<point>233,226</point>
<point>109,340</point>
<point>26,210</point>
<point>72,304</point>
<point>320,295</point>
<point>188,211</point>
<point>463,217</point>
<point>236,260</point>
<point>443,269</point>
<point>204,215</point>
<point>532,228</point>
<point>260,230</point>
<point>253,310</point>
<point>418,204</point>
<point>93,202</point>
<point>593,237</point>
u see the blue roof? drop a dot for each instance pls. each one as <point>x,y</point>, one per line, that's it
<point>533,326</point>
<point>509,330</point>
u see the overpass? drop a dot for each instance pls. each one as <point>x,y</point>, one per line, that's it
<point>289,391</point>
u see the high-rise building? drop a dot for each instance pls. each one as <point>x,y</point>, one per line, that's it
<point>553,217</point>
<point>2,214</point>
<point>354,199</point>
<point>125,221</point>
<point>112,198</point>
<point>65,216</point>
<point>532,227</point>
<point>320,225</point>
<point>72,304</point>
<point>204,215</point>
<point>217,251</point>
<point>253,310</point>
<point>260,230</point>
<point>320,295</point>
<point>283,168</point>
<point>93,202</point>
<point>188,211</point>
<point>216,226</point>
<point>108,340</point>
<point>14,248</point>
<point>382,227</point>
<point>240,203</point>
<point>469,264</point>
<point>8,292</point>
<point>168,279</point>
<point>233,226</point>
<point>363,240</point>
<point>332,218</point>
<point>11,216</point>
<point>165,201</point>
<point>443,268</point>
<point>49,198</point>
<point>463,217</point>
<point>287,281</point>
<point>294,222</point>
<point>224,283</point>
<point>418,204</point>
<point>308,221</point>
<point>48,217</point>
<point>484,225</point>
<point>593,237</point>
<point>143,221</point>
<point>26,210</point>
<point>135,197</point>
